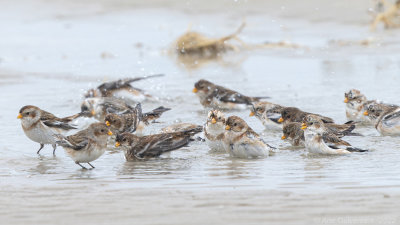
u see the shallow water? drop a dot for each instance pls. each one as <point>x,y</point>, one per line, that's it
<point>50,59</point>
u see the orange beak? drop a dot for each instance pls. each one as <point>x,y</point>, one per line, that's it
<point>283,137</point>
<point>346,100</point>
<point>195,90</point>
<point>108,123</point>
<point>93,112</point>
<point>109,133</point>
<point>280,120</point>
<point>117,144</point>
<point>365,113</point>
<point>251,114</point>
<point>227,127</point>
<point>19,116</point>
<point>213,121</point>
<point>303,127</point>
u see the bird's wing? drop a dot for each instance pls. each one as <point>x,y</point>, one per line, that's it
<point>77,141</point>
<point>227,95</point>
<point>155,145</point>
<point>54,122</point>
<point>108,87</point>
<point>391,119</point>
<point>332,139</point>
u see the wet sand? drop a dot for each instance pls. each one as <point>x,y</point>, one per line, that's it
<point>49,57</point>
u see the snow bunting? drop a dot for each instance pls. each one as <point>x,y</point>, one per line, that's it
<point>292,114</point>
<point>218,97</point>
<point>385,117</point>
<point>133,120</point>
<point>268,113</point>
<point>355,102</point>
<point>99,107</point>
<point>136,147</point>
<point>214,130</point>
<point>316,139</point>
<point>40,126</point>
<point>121,89</point>
<point>242,142</point>
<point>86,145</point>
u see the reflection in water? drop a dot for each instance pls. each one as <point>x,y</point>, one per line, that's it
<point>45,165</point>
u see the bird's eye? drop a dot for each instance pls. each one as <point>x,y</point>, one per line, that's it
<point>27,113</point>
<point>311,123</point>
<point>84,108</point>
<point>102,130</point>
<point>235,124</point>
<point>114,121</point>
<point>123,140</point>
<point>219,117</point>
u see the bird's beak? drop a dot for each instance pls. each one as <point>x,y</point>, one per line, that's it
<point>346,100</point>
<point>227,127</point>
<point>280,120</point>
<point>109,133</point>
<point>251,114</point>
<point>303,126</point>
<point>213,121</point>
<point>365,113</point>
<point>283,137</point>
<point>117,144</point>
<point>108,123</point>
<point>195,90</point>
<point>19,116</point>
<point>93,112</point>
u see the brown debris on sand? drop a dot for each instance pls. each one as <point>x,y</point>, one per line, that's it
<point>193,43</point>
<point>388,16</point>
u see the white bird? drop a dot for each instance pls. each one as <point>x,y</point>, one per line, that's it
<point>242,142</point>
<point>316,139</point>
<point>214,130</point>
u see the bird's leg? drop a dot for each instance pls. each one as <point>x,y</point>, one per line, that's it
<point>91,165</point>
<point>81,166</point>
<point>54,148</point>
<point>41,146</point>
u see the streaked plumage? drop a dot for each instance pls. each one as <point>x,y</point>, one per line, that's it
<point>268,113</point>
<point>86,145</point>
<point>133,120</point>
<point>355,102</point>
<point>385,117</point>
<point>40,126</point>
<point>149,146</point>
<point>121,89</point>
<point>316,139</point>
<point>218,97</point>
<point>100,107</point>
<point>214,130</point>
<point>242,142</point>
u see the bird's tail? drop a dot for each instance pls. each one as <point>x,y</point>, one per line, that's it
<point>353,149</point>
<point>154,114</point>
<point>194,131</point>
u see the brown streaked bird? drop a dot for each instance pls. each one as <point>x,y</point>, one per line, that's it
<point>150,146</point>
<point>293,133</point>
<point>386,118</point>
<point>315,142</point>
<point>86,145</point>
<point>122,89</point>
<point>355,102</point>
<point>214,130</point>
<point>268,113</point>
<point>243,142</point>
<point>40,126</point>
<point>98,108</point>
<point>133,120</point>
<point>218,97</point>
